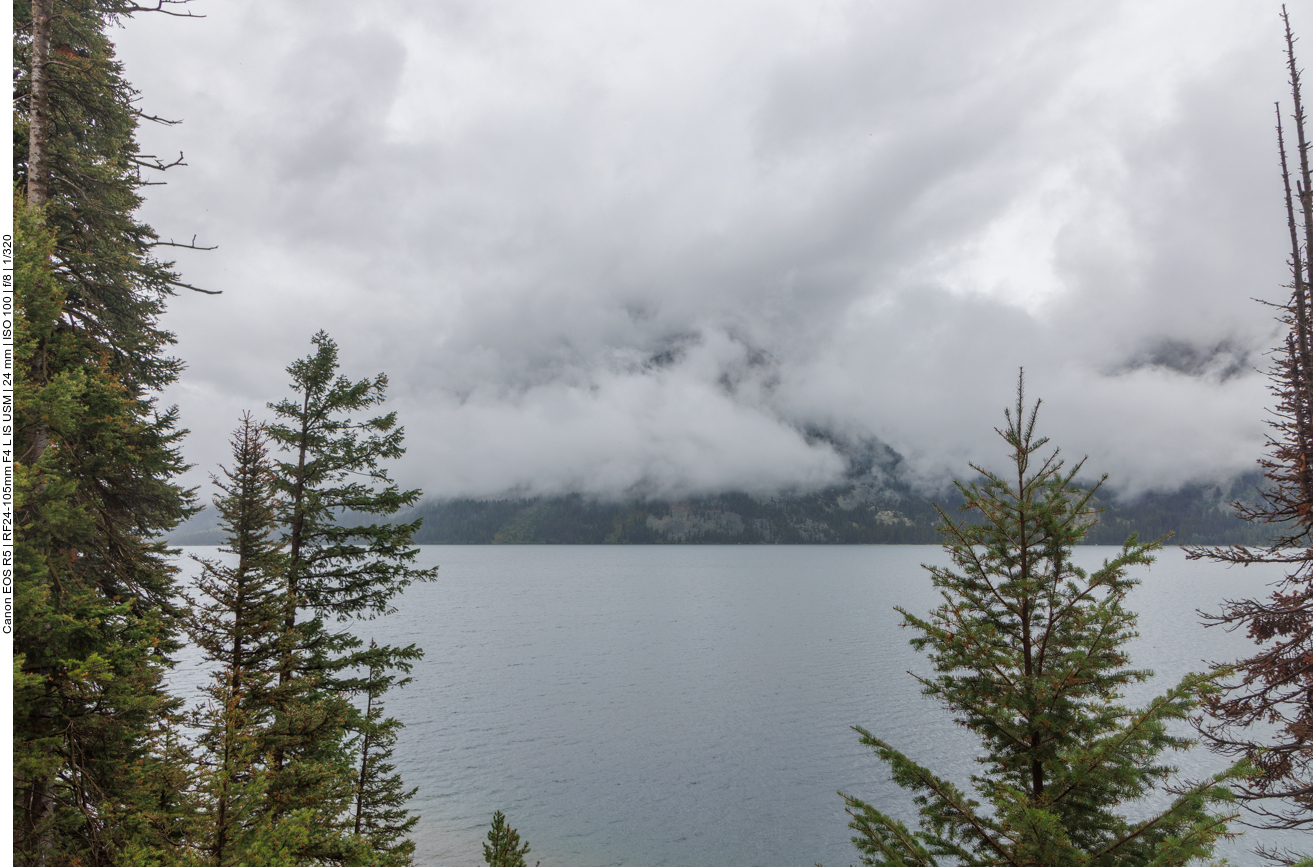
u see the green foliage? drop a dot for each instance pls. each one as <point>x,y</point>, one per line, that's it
<point>278,784</point>
<point>99,772</point>
<point>503,848</point>
<point>333,468</point>
<point>323,753</point>
<point>95,765</point>
<point>101,775</point>
<point>237,622</point>
<point>1029,651</point>
<point>381,816</point>
<point>114,287</point>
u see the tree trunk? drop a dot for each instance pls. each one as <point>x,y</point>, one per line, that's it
<point>294,561</point>
<point>38,135</point>
<point>364,755</point>
<point>39,107</point>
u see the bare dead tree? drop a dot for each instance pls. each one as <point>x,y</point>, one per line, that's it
<point>1265,711</point>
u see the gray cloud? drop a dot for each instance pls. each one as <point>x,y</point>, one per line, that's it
<point>616,247</point>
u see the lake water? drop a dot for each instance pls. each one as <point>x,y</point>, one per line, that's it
<point>675,706</point>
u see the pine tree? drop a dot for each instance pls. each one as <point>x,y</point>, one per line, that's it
<point>1265,711</point>
<point>1030,655</point>
<point>503,848</point>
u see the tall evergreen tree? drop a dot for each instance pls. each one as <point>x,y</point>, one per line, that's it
<point>337,573</point>
<point>1265,712</point>
<point>93,609</point>
<point>76,156</point>
<point>99,773</point>
<point>250,712</point>
<point>237,623</point>
<point>1030,655</point>
<point>334,469</point>
<point>333,472</point>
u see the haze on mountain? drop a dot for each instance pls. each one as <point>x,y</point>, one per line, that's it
<point>619,248</point>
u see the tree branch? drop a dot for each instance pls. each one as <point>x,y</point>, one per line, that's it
<point>159,7</point>
<point>191,246</point>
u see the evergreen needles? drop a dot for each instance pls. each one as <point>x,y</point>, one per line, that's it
<point>503,848</point>
<point>237,623</point>
<point>291,761</point>
<point>1030,655</point>
<point>295,742</point>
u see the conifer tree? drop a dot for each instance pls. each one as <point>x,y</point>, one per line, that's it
<point>381,816</point>
<point>76,157</point>
<point>1265,711</point>
<point>1030,655</point>
<point>238,624</point>
<point>99,772</point>
<point>333,468</point>
<point>95,767</point>
<point>337,573</point>
<point>503,848</point>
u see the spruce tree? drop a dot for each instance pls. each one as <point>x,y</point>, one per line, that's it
<point>340,569</point>
<point>99,770</point>
<point>334,469</point>
<point>95,765</point>
<point>237,623</point>
<point>76,157</point>
<point>338,573</point>
<point>1029,651</point>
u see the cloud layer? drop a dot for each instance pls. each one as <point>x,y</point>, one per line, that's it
<point>635,247</point>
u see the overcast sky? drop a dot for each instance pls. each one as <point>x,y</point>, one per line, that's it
<point>610,247</point>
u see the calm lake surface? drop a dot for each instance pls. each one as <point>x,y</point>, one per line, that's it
<point>678,706</point>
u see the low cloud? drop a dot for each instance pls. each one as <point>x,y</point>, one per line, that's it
<point>644,250</point>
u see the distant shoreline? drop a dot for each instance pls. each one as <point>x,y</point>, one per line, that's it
<point>853,514</point>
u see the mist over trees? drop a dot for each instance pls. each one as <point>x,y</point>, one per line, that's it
<point>851,514</point>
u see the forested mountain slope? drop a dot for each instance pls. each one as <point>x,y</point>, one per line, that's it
<point>858,512</point>
<point>1196,514</point>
